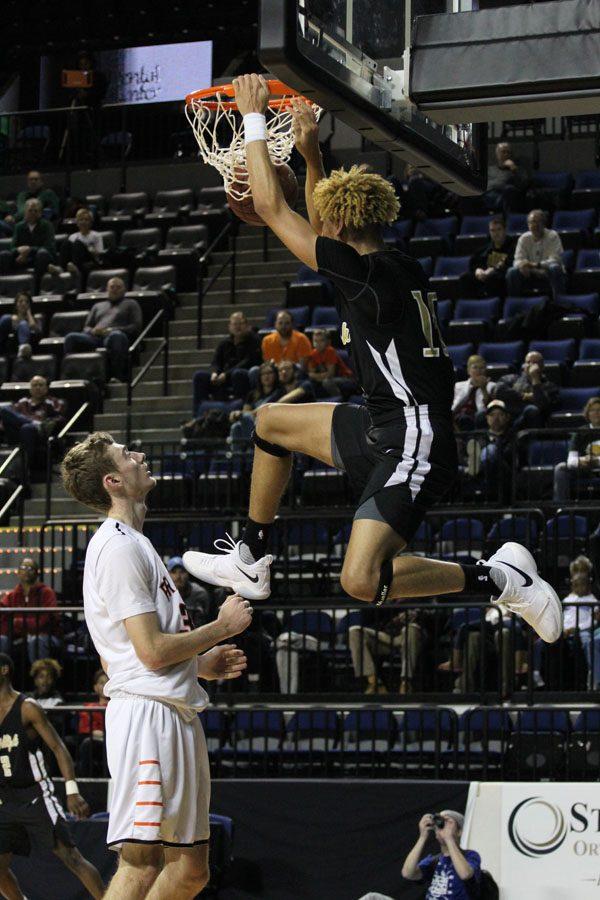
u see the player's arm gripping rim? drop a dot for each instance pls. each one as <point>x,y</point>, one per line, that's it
<point>306,139</point>
<point>156,649</point>
<point>34,716</point>
<point>252,95</point>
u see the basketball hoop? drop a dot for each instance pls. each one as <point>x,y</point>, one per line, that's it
<point>219,131</point>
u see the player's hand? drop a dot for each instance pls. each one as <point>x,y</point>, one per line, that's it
<point>251,94</point>
<point>222,662</point>
<point>305,129</point>
<point>425,825</point>
<point>235,615</point>
<point>77,806</point>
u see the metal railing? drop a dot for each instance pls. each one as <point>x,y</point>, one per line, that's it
<point>163,347</point>
<point>18,495</point>
<point>52,442</point>
<point>230,229</point>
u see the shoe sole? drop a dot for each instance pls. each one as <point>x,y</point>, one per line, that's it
<point>239,587</point>
<point>522,558</point>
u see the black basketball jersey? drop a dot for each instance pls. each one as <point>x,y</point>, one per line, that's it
<point>390,325</point>
<point>21,759</point>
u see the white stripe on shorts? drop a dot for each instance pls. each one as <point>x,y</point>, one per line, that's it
<point>418,438</point>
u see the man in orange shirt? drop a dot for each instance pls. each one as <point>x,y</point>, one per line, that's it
<point>285,342</point>
<point>328,373</point>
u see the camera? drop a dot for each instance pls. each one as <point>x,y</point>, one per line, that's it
<point>438,821</point>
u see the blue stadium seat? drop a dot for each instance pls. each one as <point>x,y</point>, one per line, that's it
<point>588,179</point>
<point>325,317</point>
<point>442,227</point>
<point>568,259</point>
<point>573,224</point>
<point>555,351</point>
<point>513,306</point>
<point>516,223</point>
<point>588,720</point>
<point>464,530</point>
<point>215,724</point>
<point>312,730</point>
<point>486,733</point>
<point>484,310</point>
<point>589,302</point>
<point>586,192</point>
<point>368,731</point>
<point>444,312</point>
<point>459,354</point>
<point>306,274</point>
<point>451,266</point>
<point>426,264</point>
<point>589,348</point>
<point>510,352</point>
<point>543,721</point>
<point>523,529</point>
<point>588,259</point>
<point>553,181</point>
<point>300,315</point>
<point>475,225</point>
<point>258,729</point>
<point>566,526</point>
<point>585,373</point>
<point>315,622</point>
<point>574,399</point>
<point>547,453</point>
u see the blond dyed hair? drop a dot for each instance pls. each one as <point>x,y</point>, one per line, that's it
<point>47,663</point>
<point>83,470</point>
<point>357,199</point>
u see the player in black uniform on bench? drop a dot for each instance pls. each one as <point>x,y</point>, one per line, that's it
<point>399,450</point>
<point>31,818</point>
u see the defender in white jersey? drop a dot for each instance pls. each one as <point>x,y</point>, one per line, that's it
<point>138,622</point>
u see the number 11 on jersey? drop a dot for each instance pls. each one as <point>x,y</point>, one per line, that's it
<point>428,318</point>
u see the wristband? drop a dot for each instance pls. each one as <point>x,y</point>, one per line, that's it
<point>71,787</point>
<point>255,127</point>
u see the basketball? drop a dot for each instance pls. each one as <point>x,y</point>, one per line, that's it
<point>244,209</point>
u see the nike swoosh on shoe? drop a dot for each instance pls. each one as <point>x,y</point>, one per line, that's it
<point>528,581</point>
<point>253,578</point>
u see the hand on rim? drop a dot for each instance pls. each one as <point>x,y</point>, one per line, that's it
<point>305,128</point>
<point>251,94</point>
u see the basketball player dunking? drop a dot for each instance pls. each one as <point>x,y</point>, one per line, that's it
<point>137,619</point>
<point>398,450</point>
<point>31,817</point>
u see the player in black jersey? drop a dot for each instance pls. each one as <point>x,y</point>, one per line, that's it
<point>399,449</point>
<point>31,818</point>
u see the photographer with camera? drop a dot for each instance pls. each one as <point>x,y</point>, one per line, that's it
<point>452,874</point>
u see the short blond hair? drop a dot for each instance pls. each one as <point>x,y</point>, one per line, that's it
<point>83,470</point>
<point>356,199</point>
<point>52,665</point>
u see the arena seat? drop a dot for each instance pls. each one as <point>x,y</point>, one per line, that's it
<point>426,263</point>
<point>447,274</point>
<point>142,240</point>
<point>589,348</point>
<point>586,277</point>
<point>169,207</point>
<point>585,373</point>
<point>459,354</point>
<point>368,732</point>
<point>11,285</point>
<point>588,302</point>
<point>586,192</point>
<point>124,210</point>
<point>516,224</point>
<point>99,278</point>
<point>514,306</point>
<point>574,225</point>
<point>473,233</point>
<point>324,317</point>
<point>509,353</point>
<point>212,196</point>
<point>523,529</point>
<point>555,351</point>
<point>89,366</point>
<point>574,399</point>
<point>183,246</point>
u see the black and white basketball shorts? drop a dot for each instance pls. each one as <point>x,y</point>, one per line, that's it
<point>29,820</point>
<point>400,469</point>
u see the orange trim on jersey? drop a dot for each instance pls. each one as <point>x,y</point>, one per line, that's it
<point>148,762</point>
<point>149,782</point>
<point>149,824</point>
<point>149,803</point>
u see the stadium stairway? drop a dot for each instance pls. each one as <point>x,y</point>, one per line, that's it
<point>259,287</point>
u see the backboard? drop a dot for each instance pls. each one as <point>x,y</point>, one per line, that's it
<point>351,57</point>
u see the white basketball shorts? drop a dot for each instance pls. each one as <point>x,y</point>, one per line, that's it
<point>161,776</point>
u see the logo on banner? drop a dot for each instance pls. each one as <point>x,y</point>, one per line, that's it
<point>537,827</point>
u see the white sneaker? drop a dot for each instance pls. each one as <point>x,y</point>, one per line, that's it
<point>526,593</point>
<point>226,569</point>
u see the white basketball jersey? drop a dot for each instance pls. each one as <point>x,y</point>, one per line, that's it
<point>124,576</point>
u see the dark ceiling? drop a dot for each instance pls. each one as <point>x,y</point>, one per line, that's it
<point>30,28</point>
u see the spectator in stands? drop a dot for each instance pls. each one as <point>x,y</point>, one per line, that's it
<point>582,467</point>
<point>285,342</point>
<point>232,359</point>
<point>530,396</point>
<point>580,616</point>
<point>402,637</point>
<point>294,389</point>
<point>418,194</point>
<point>40,630</point>
<point>32,420</point>
<point>198,602</point>
<point>113,323</point>
<point>453,874</point>
<point>90,727</point>
<point>490,460</point>
<point>45,674</point>
<point>32,244</point>
<point>538,259</point>
<point>7,219</point>
<point>93,723</point>
<point>268,390</point>
<point>49,202</point>
<point>82,251</point>
<point>488,267</point>
<point>20,322</point>
<point>473,395</point>
<point>328,374</point>
<point>507,182</point>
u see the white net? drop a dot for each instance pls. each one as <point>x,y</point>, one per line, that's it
<point>219,132</point>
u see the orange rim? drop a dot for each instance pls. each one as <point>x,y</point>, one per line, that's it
<point>275,102</point>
